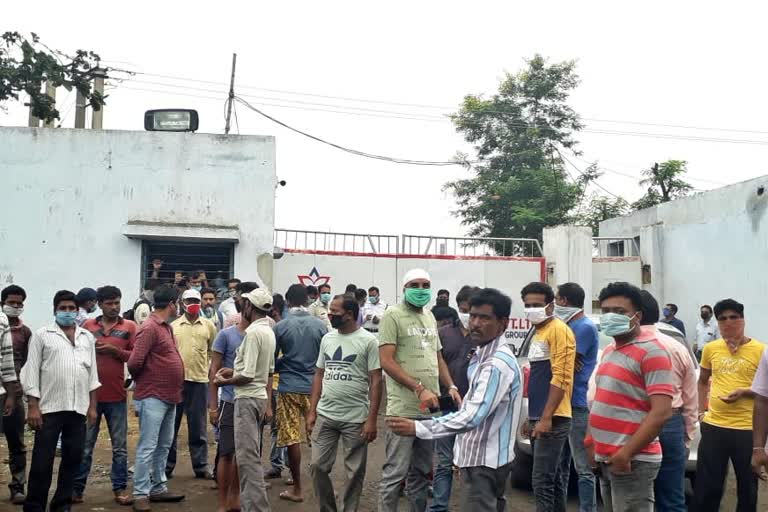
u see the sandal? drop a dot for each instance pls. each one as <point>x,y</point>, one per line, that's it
<point>123,498</point>
<point>288,496</point>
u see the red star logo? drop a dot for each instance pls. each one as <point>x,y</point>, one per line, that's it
<point>314,278</point>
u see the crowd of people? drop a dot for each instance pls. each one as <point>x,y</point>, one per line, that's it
<point>316,365</point>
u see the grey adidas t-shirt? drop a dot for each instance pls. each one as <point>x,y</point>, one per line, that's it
<point>347,359</point>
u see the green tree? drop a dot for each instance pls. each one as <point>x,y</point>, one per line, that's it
<point>519,184</point>
<point>664,182</point>
<point>26,63</point>
<point>599,208</point>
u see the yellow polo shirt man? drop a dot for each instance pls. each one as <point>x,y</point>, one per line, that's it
<point>194,337</point>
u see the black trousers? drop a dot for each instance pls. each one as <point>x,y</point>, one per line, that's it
<point>71,426</point>
<point>716,447</point>
<point>13,428</point>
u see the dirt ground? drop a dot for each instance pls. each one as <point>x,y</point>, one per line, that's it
<point>200,496</point>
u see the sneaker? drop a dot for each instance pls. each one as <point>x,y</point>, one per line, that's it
<point>204,475</point>
<point>141,505</point>
<point>166,497</point>
<point>273,474</point>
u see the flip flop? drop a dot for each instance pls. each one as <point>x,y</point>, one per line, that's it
<point>286,495</point>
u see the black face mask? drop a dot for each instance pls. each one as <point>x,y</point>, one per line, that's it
<point>441,302</point>
<point>336,321</point>
<point>238,306</point>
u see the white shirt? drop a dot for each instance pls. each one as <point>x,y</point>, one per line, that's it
<point>375,310</point>
<point>487,421</point>
<point>61,375</point>
<point>227,308</point>
<point>706,332</point>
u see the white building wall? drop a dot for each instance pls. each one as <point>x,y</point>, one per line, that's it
<point>568,250</point>
<point>68,195</point>
<point>387,273</point>
<point>609,270</point>
<point>706,248</point>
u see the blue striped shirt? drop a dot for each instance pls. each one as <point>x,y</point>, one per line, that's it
<point>488,419</point>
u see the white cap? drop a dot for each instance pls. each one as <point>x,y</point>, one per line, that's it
<point>414,274</point>
<point>191,294</point>
<point>260,297</point>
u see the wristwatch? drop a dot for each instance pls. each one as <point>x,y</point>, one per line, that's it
<point>419,388</point>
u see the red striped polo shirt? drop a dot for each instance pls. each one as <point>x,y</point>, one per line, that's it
<point>626,379</point>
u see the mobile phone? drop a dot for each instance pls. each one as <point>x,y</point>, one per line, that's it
<point>447,405</point>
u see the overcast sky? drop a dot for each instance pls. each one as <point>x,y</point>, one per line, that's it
<point>697,64</point>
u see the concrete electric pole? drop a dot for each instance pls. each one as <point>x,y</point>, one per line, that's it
<point>231,99</point>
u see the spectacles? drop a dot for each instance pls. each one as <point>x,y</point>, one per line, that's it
<point>729,317</point>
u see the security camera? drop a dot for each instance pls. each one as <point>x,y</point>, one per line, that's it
<point>282,183</point>
<point>277,252</point>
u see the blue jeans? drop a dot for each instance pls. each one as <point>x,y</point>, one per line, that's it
<point>547,480</point>
<point>574,448</point>
<point>116,414</point>
<point>156,420</point>
<point>670,482</point>
<point>443,477</point>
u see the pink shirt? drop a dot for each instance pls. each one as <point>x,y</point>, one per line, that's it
<point>686,395</point>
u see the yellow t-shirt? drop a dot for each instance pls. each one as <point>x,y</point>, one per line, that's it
<point>552,355</point>
<point>731,372</point>
<point>194,341</point>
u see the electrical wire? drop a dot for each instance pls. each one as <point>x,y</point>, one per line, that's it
<point>583,174</point>
<point>440,107</point>
<point>345,149</point>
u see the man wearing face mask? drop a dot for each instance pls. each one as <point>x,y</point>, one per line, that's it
<point>157,368</point>
<point>569,305</point>
<point>486,422</point>
<point>373,310</point>
<point>87,305</point>
<point>552,356</point>
<point>319,308</point>
<point>670,310</point>
<point>227,306</point>
<point>409,350</point>
<point>12,301</point>
<point>346,393</point>
<point>209,308</point>
<point>60,380</point>
<point>194,335</point>
<point>706,330</point>
<point>633,398</point>
<point>457,351</point>
<point>443,298</point>
<point>726,418</point>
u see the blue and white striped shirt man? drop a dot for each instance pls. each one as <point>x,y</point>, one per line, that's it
<point>488,419</point>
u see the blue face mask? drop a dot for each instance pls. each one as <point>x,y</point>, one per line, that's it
<point>373,300</point>
<point>198,288</point>
<point>325,298</point>
<point>66,318</point>
<point>666,312</point>
<point>615,324</point>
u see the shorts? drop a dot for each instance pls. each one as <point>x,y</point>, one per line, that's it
<point>226,429</point>
<point>291,409</point>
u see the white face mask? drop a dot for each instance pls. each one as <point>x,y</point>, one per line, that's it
<point>12,312</point>
<point>565,313</point>
<point>464,317</point>
<point>536,315</point>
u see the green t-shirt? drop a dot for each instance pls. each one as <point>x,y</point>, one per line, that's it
<point>347,359</point>
<point>417,345</point>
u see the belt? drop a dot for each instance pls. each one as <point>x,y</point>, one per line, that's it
<point>677,410</point>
